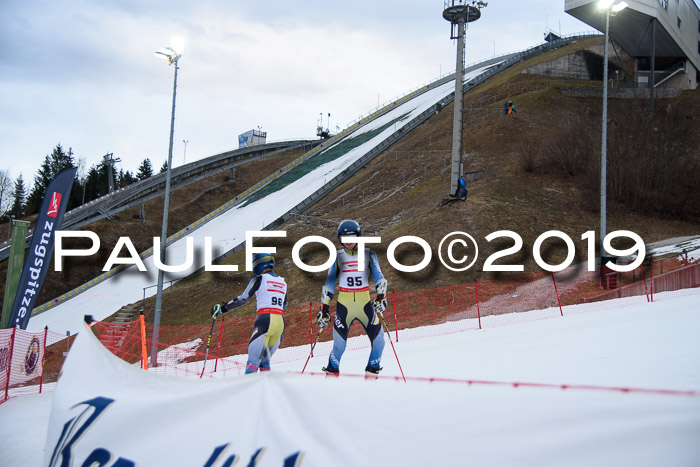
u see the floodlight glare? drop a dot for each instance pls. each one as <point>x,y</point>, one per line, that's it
<point>172,54</point>
<point>177,44</point>
<point>605,4</point>
<point>619,7</point>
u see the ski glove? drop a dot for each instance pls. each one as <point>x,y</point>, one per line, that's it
<point>379,304</point>
<point>323,317</point>
<point>217,310</point>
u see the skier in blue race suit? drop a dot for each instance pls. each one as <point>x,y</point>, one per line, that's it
<point>354,301</point>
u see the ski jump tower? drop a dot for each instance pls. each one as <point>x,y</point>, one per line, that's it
<point>459,13</point>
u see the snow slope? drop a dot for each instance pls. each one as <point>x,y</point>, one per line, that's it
<point>634,399</point>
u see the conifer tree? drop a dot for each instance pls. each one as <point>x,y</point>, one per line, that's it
<point>41,182</point>
<point>20,195</point>
<point>96,183</point>
<point>145,170</point>
<point>52,165</point>
<point>126,178</point>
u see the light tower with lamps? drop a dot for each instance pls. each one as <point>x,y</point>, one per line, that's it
<point>173,55</point>
<point>109,160</point>
<point>610,7</point>
<point>459,13</point>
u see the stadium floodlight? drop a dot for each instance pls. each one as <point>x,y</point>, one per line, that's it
<point>609,6</point>
<point>177,44</point>
<point>612,6</point>
<point>619,7</point>
<point>167,53</point>
<point>173,54</point>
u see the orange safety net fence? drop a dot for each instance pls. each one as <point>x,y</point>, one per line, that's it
<point>181,350</point>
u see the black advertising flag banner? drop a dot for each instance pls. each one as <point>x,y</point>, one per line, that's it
<point>39,254</point>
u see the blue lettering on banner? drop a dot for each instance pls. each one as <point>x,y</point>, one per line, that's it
<point>293,460</point>
<point>75,428</point>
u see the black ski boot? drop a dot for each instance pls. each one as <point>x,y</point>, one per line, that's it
<point>330,371</point>
<point>372,372</point>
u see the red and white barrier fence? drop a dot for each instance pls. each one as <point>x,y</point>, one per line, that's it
<point>30,362</point>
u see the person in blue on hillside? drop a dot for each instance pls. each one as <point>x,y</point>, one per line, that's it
<point>354,302</point>
<point>461,191</point>
<point>270,291</point>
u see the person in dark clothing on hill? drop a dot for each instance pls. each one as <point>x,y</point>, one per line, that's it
<point>461,191</point>
<point>459,194</point>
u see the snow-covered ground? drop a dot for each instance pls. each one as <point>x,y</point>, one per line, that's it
<point>228,229</point>
<point>633,398</point>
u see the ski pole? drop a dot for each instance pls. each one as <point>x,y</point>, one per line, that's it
<point>312,349</point>
<point>381,315</point>
<point>206,353</point>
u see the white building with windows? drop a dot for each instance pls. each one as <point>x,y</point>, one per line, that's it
<point>661,35</point>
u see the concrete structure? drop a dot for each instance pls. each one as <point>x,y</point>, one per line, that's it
<point>587,64</point>
<point>668,30</point>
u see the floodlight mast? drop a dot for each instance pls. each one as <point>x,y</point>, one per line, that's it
<point>459,13</point>
<point>173,56</point>
<point>609,6</point>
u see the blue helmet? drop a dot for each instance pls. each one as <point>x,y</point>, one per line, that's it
<point>349,228</point>
<point>262,261</point>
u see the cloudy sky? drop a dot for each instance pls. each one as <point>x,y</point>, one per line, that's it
<point>83,74</point>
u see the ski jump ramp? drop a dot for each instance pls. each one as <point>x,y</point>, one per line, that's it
<point>263,207</point>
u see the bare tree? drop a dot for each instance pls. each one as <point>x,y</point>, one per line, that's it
<point>6,192</point>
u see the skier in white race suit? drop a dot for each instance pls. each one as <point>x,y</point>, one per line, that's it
<point>270,291</point>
